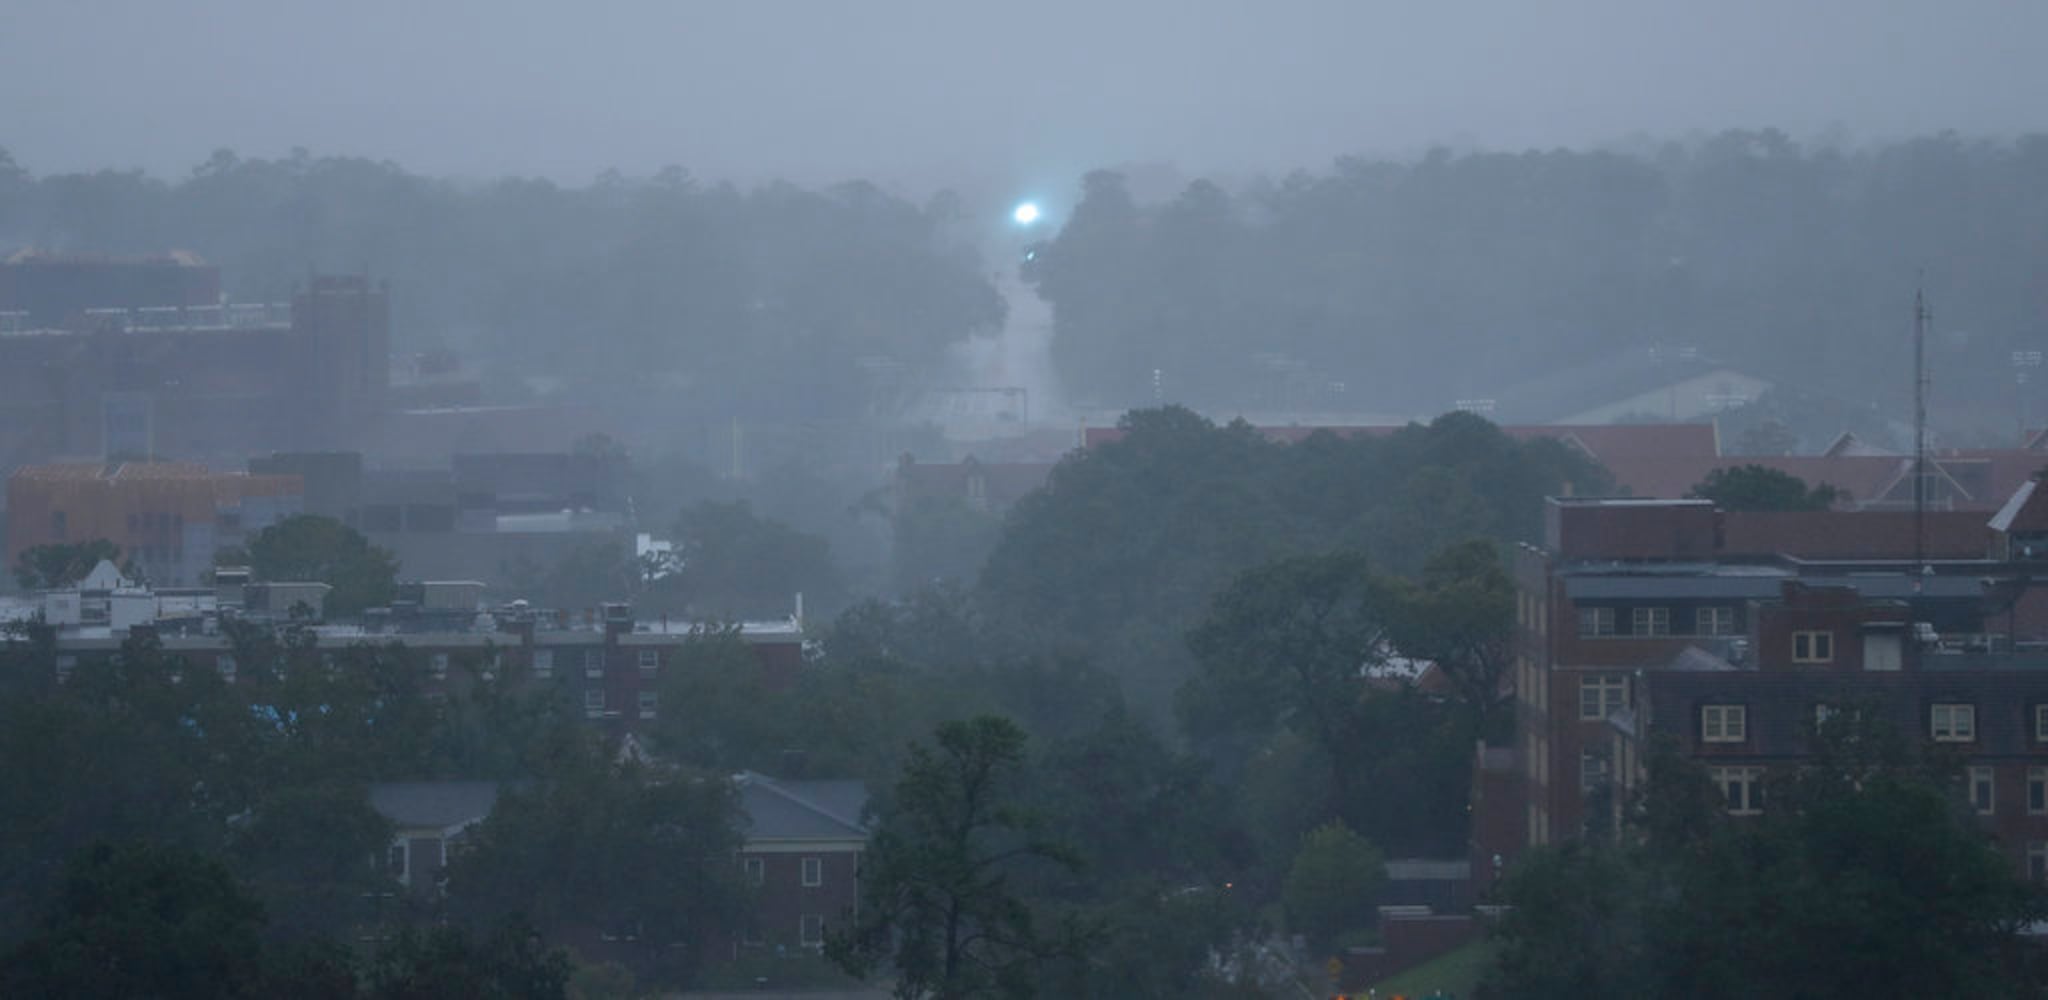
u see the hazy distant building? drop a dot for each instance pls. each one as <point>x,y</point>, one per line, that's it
<point>160,367</point>
<point>168,518</point>
<point>55,291</point>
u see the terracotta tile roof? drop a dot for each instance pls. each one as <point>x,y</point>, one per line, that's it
<point>1602,441</point>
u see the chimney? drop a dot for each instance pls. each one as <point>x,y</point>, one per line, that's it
<point>618,619</point>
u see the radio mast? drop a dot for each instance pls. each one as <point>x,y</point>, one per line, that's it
<point>1920,320</point>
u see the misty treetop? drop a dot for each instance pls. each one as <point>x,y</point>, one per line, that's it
<point>1124,549</point>
<point>1400,286</point>
<point>742,299</point>
<point>1374,285</point>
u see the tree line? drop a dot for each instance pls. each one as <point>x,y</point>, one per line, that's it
<point>722,301</point>
<point>1398,286</point>
<point>1380,285</point>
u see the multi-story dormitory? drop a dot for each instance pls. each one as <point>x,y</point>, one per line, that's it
<point>611,663</point>
<point>1733,632</point>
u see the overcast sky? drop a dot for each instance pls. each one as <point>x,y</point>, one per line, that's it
<point>920,91</point>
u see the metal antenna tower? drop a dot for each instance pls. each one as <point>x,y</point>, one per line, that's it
<point>1921,317</point>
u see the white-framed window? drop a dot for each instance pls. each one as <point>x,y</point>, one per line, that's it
<point>814,872</point>
<point>1650,621</point>
<point>810,931</point>
<point>650,704</point>
<point>2041,723</point>
<point>1718,620</point>
<point>2037,791</point>
<point>650,661</point>
<point>1596,621</point>
<point>593,703</point>
<point>757,871</point>
<point>543,663</point>
<point>1742,787</point>
<point>2037,860</point>
<point>1592,771</point>
<point>1983,791</point>
<point>225,664</point>
<point>394,861</point>
<point>1953,722</point>
<point>593,663</point>
<point>1601,696</point>
<point>1813,647</point>
<point>440,665</point>
<point>1724,723</point>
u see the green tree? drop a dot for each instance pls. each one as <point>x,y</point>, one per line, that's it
<point>615,848</point>
<point>1762,488</point>
<point>506,963</point>
<point>1330,888</point>
<point>718,711</point>
<point>1286,645</point>
<point>736,565</point>
<point>140,920</point>
<point>1575,928</point>
<point>1866,875</point>
<point>1460,615</point>
<point>315,548</point>
<point>1132,805</point>
<point>303,853</point>
<point>940,539</point>
<point>56,565</point>
<point>936,899</point>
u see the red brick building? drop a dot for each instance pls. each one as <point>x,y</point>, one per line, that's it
<point>801,855</point>
<point>1630,597</point>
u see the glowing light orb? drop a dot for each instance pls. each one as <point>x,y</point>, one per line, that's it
<point>1026,213</point>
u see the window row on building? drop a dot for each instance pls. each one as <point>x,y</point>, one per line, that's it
<point>1600,621</point>
<point>1742,786</point>
<point>1946,721</point>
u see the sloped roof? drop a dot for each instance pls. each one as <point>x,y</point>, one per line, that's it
<point>1583,385</point>
<point>438,804</point>
<point>2022,511</point>
<point>104,576</point>
<point>1697,443</point>
<point>801,810</point>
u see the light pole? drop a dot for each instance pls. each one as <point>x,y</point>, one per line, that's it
<point>2023,365</point>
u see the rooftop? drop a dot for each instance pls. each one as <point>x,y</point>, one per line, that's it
<point>777,809</point>
<point>433,804</point>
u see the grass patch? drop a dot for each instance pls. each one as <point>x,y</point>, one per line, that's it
<point>1453,973</point>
